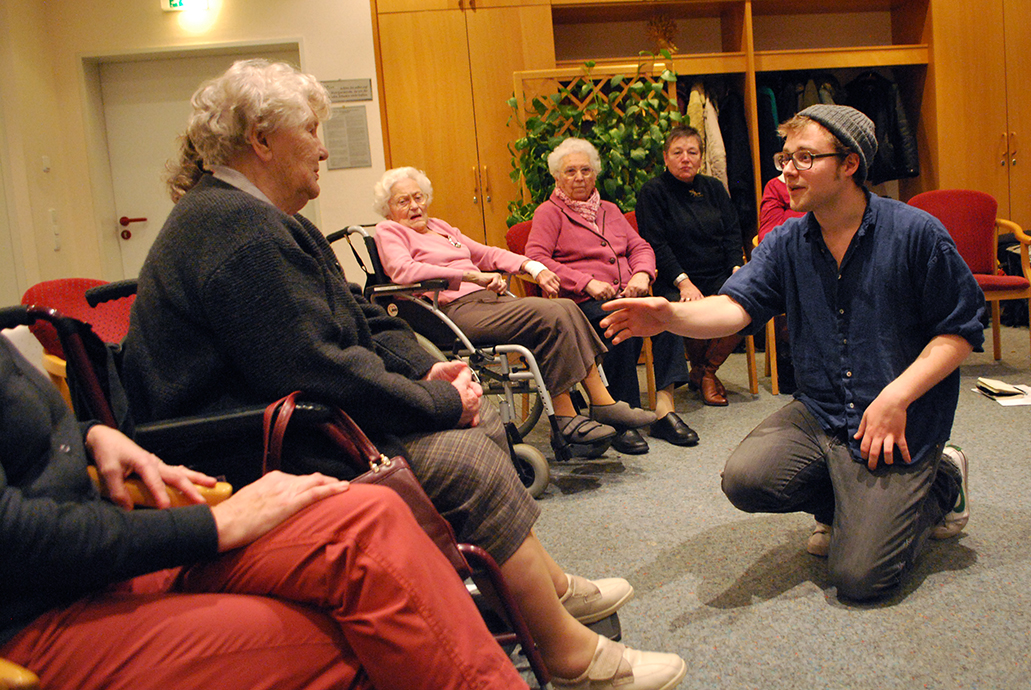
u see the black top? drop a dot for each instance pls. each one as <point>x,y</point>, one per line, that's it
<point>693,229</point>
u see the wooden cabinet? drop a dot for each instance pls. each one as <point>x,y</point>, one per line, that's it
<point>962,68</point>
<point>980,105</point>
<point>446,79</point>
<point>745,40</point>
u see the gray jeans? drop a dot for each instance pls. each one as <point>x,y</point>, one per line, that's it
<point>880,520</point>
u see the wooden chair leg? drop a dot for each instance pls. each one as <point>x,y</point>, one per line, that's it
<point>771,355</point>
<point>649,372</point>
<point>996,331</point>
<point>753,369</point>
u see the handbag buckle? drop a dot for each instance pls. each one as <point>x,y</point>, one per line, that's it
<point>383,463</point>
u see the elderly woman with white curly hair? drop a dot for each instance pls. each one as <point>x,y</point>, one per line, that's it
<point>414,246</point>
<point>241,301</point>
<point>597,256</point>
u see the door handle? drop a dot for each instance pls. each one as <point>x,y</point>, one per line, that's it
<point>476,185</point>
<point>1005,150</point>
<point>125,221</point>
<point>1013,148</point>
<point>486,185</point>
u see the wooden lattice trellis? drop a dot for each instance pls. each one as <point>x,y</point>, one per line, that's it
<point>583,87</point>
<point>625,110</point>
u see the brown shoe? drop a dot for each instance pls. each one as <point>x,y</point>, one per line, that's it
<point>711,394</point>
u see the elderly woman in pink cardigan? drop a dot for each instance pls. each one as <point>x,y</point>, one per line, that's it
<point>598,256</point>
<point>414,246</point>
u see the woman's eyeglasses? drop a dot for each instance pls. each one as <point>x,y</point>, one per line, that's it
<point>406,201</point>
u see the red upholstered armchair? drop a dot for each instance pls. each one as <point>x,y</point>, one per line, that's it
<point>970,218</point>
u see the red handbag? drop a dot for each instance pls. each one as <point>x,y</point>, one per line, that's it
<point>391,472</point>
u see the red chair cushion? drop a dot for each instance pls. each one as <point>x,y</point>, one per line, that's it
<point>990,283</point>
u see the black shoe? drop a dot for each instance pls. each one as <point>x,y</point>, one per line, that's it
<point>630,442</point>
<point>673,429</point>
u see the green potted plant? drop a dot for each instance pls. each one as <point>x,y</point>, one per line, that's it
<point>625,117</point>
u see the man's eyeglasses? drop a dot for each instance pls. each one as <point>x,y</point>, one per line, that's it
<point>406,201</point>
<point>803,160</point>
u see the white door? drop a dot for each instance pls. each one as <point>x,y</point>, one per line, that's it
<point>9,292</point>
<point>146,105</point>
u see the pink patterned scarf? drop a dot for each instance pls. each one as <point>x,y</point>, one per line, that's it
<point>588,209</point>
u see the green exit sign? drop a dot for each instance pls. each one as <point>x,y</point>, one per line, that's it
<point>182,5</point>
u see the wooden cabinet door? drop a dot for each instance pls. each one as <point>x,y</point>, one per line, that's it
<point>1018,109</point>
<point>502,41</point>
<point>428,102</point>
<point>969,90</point>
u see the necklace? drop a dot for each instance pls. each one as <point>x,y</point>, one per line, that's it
<point>449,238</point>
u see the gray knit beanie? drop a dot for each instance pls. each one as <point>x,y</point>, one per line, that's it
<point>854,129</point>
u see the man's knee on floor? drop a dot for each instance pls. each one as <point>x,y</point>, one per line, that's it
<point>742,489</point>
<point>863,584</point>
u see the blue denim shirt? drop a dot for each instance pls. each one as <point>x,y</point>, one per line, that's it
<point>854,330</point>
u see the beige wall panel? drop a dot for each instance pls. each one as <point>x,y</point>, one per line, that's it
<point>52,93</point>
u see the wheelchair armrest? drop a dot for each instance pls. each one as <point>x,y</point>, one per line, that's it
<point>218,426</point>
<point>14,677</point>
<point>111,291</point>
<point>431,285</point>
<point>140,495</point>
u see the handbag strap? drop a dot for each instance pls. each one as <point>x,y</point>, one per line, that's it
<point>276,417</point>
<point>341,429</point>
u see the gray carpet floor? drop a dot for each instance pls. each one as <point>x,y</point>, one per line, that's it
<point>740,599</point>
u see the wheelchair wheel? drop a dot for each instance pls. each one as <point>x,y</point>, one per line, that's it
<point>428,345</point>
<point>527,407</point>
<point>532,468</point>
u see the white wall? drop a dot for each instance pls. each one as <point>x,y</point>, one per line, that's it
<point>48,95</point>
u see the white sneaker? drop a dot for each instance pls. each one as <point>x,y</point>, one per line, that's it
<point>590,601</point>
<point>618,667</point>
<point>820,540</point>
<point>957,518</point>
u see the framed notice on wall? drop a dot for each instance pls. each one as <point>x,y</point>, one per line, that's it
<point>347,138</point>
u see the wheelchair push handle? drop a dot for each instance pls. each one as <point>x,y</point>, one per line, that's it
<point>15,316</point>
<point>111,291</point>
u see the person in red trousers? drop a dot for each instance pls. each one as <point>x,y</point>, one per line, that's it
<point>293,582</point>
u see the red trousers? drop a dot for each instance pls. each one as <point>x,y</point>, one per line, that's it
<point>349,593</point>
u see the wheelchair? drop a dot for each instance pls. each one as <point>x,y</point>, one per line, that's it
<point>96,394</point>
<point>509,373</point>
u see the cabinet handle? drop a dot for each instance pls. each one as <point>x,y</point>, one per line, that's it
<point>1013,148</point>
<point>1005,150</point>
<point>476,185</point>
<point>486,185</point>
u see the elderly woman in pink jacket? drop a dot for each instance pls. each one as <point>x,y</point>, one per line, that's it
<point>414,246</point>
<point>598,256</point>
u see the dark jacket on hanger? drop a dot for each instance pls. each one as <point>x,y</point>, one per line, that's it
<point>879,98</point>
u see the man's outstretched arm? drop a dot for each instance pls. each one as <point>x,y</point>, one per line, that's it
<point>712,317</point>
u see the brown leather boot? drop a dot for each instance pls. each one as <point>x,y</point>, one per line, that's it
<point>713,391</point>
<point>696,350</point>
